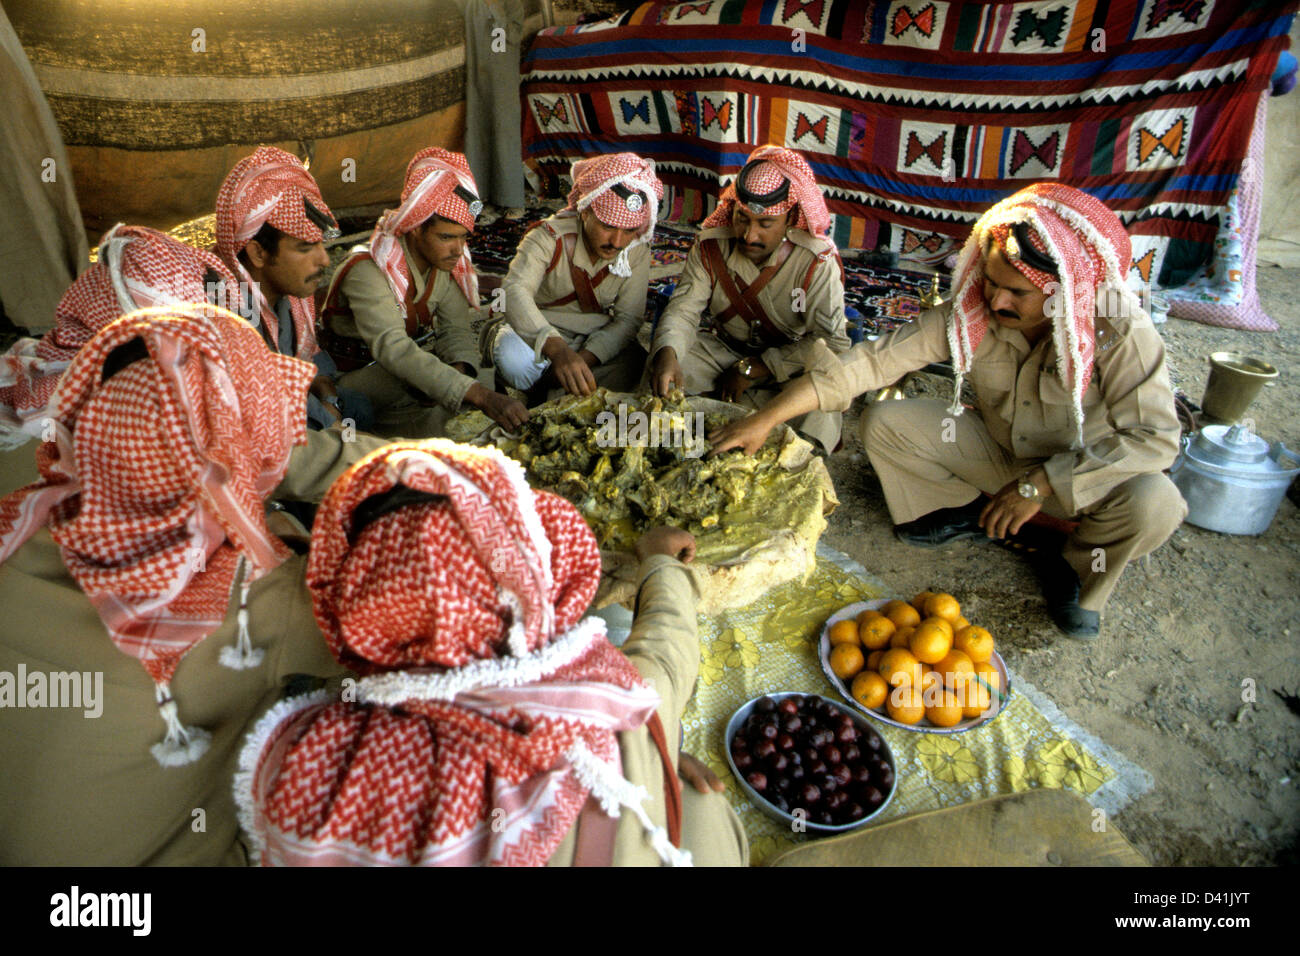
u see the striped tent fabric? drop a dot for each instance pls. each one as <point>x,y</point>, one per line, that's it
<point>917,115</point>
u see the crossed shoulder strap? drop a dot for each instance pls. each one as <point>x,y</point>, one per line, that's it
<point>743,302</point>
<point>584,286</point>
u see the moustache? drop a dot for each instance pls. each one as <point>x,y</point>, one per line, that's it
<point>1007,314</point>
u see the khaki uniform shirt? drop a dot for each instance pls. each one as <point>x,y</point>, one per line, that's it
<point>377,318</point>
<point>823,306</point>
<point>528,283</point>
<point>79,790</point>
<point>664,648</point>
<point>1129,428</point>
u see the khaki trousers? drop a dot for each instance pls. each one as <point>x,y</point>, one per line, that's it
<point>927,458</point>
<point>397,412</point>
<point>709,357</point>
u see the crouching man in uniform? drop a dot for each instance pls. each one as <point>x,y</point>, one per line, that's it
<point>415,282</point>
<point>1074,411</point>
<point>767,275</point>
<point>575,293</point>
<point>272,224</point>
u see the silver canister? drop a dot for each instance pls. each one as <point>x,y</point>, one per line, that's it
<point>1233,480</point>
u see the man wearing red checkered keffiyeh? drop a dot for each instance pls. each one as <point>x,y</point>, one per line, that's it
<point>272,224</point>
<point>492,712</point>
<point>141,558</point>
<point>136,267</point>
<point>767,276</point>
<point>1075,415</point>
<point>576,290</point>
<point>415,281</point>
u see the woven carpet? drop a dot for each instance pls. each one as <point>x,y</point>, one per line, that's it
<point>769,646</point>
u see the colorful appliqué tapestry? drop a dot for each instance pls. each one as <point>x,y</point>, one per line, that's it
<point>916,115</point>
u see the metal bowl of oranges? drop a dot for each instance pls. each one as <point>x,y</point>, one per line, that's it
<point>918,665</point>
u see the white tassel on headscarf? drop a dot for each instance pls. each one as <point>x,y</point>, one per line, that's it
<point>612,792</point>
<point>242,655</point>
<point>182,745</point>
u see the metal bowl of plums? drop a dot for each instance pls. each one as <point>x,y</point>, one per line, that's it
<point>810,763</point>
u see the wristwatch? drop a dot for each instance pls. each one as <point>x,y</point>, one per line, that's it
<point>746,367</point>
<point>1028,490</point>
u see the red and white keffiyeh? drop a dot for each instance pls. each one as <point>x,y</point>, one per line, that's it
<point>136,267</point>
<point>432,178</point>
<point>623,192</point>
<point>768,167</point>
<point>153,485</point>
<point>271,186</point>
<point>490,709</point>
<point>1092,251</point>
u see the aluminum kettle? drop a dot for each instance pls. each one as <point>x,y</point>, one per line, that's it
<point>1233,480</point>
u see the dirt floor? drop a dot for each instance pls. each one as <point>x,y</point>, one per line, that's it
<point>1184,631</point>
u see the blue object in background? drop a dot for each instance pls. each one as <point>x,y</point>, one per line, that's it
<point>1284,75</point>
<point>854,318</point>
<point>656,302</point>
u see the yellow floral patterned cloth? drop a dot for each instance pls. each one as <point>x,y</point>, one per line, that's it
<point>770,646</point>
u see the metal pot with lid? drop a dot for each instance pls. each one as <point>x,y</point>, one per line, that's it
<point>1233,480</point>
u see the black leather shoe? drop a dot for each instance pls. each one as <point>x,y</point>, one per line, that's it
<point>943,526</point>
<point>1061,590</point>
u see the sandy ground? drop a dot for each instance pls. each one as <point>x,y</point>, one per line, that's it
<point>1184,634</point>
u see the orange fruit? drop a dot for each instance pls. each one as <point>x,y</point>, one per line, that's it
<point>942,605</point>
<point>901,613</point>
<point>846,660</point>
<point>974,698</point>
<point>961,622</point>
<point>900,666</point>
<point>946,711</point>
<point>930,643</point>
<point>941,622</point>
<point>989,675</point>
<point>976,642</point>
<point>866,616</point>
<point>902,637</point>
<point>873,660</point>
<point>931,684</point>
<point>844,632</point>
<point>904,704</point>
<point>869,689</point>
<point>918,602</point>
<point>955,669</point>
<point>876,633</point>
